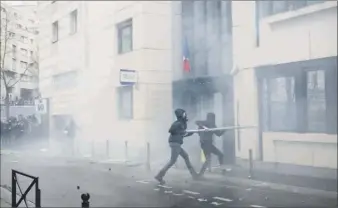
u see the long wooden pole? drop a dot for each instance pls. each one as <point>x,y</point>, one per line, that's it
<point>220,129</point>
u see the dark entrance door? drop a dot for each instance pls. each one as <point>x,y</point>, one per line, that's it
<point>203,95</point>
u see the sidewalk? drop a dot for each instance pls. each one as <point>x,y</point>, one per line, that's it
<point>244,182</point>
<point>325,184</point>
<point>3,203</point>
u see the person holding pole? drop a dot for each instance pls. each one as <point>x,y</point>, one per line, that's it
<point>177,133</point>
<point>206,141</point>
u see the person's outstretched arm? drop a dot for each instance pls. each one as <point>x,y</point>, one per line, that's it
<point>188,134</point>
<point>219,132</point>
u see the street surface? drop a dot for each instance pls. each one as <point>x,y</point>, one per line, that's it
<point>62,181</point>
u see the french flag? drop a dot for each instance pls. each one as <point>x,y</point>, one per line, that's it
<point>186,62</point>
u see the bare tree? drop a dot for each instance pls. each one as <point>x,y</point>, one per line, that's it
<point>9,78</point>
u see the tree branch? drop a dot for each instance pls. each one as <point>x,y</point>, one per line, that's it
<point>7,37</point>
<point>2,67</point>
<point>21,75</point>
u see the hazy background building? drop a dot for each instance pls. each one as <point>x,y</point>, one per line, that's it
<point>285,81</point>
<point>20,66</point>
<point>83,47</point>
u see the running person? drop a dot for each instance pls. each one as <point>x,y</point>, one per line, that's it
<point>177,133</point>
<point>206,140</point>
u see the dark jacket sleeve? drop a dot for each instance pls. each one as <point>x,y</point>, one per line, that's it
<point>188,134</point>
<point>199,123</point>
<point>219,132</point>
<point>176,128</point>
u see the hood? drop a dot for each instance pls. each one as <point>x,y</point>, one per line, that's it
<point>181,114</point>
<point>211,118</point>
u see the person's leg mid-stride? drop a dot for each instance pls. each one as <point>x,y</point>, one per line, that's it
<point>177,133</point>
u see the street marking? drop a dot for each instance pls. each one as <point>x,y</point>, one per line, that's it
<point>168,192</point>
<point>162,186</point>
<point>156,189</point>
<point>144,182</point>
<point>257,206</point>
<point>249,189</point>
<point>190,192</point>
<point>177,194</point>
<point>222,199</point>
<point>191,197</point>
<point>202,200</point>
<point>261,184</point>
<point>216,203</point>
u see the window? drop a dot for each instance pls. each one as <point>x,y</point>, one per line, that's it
<point>229,16</point>
<point>23,52</point>
<point>14,49</point>
<point>65,80</point>
<point>125,37</point>
<point>18,26</point>
<point>316,104</point>
<point>23,39</point>
<point>31,53</point>
<point>125,105</point>
<point>32,41</point>
<point>303,102</point>
<point>73,22</point>
<point>23,65</point>
<point>14,64</point>
<point>279,104</point>
<point>24,78</point>
<point>10,74</point>
<point>275,7</point>
<point>55,30</point>
<point>279,6</point>
<point>11,34</point>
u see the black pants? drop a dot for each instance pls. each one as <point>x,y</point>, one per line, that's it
<point>177,150</point>
<point>208,149</point>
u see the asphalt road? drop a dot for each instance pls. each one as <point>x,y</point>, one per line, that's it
<point>63,181</point>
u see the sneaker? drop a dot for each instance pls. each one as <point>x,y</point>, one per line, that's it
<point>160,179</point>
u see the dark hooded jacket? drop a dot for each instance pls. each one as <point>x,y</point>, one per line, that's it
<point>178,128</point>
<point>207,137</point>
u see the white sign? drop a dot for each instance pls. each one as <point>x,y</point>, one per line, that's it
<point>128,76</point>
<point>41,106</point>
